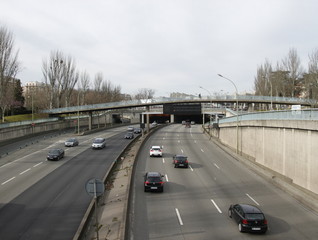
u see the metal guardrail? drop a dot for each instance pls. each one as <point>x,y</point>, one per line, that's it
<point>307,114</point>
<point>190,99</point>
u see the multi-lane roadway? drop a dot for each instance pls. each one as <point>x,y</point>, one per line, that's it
<point>42,199</point>
<point>195,201</point>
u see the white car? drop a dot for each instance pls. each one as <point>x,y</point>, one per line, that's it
<point>99,143</point>
<point>155,151</point>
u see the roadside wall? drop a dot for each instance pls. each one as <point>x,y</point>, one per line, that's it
<point>288,148</point>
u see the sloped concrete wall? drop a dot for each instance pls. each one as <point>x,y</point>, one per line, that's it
<point>289,148</point>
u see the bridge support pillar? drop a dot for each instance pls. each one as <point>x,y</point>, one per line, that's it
<point>147,119</point>
<point>90,120</point>
<point>172,118</point>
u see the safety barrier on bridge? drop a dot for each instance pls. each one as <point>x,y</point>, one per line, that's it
<point>189,99</point>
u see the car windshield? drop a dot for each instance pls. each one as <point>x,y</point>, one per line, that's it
<point>55,151</point>
<point>98,140</point>
<point>71,140</point>
<point>154,179</point>
<point>254,216</point>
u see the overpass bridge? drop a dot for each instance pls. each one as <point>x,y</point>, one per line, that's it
<point>185,107</point>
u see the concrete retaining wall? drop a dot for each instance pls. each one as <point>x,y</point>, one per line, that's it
<point>288,148</point>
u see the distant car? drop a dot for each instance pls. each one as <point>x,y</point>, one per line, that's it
<point>99,143</point>
<point>71,142</point>
<point>180,161</point>
<point>183,122</point>
<point>129,135</point>
<point>153,181</point>
<point>137,130</point>
<point>192,122</point>
<point>248,217</point>
<point>155,151</point>
<point>130,128</point>
<point>55,154</point>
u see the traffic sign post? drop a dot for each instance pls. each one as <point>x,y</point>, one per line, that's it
<point>95,188</point>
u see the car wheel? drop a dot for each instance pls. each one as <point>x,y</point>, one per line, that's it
<point>145,189</point>
<point>175,166</point>
<point>161,190</point>
<point>240,227</point>
<point>230,213</point>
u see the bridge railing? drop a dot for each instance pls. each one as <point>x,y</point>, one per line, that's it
<point>164,100</point>
<point>306,114</point>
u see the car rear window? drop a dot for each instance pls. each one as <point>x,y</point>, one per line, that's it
<point>98,140</point>
<point>180,158</point>
<point>254,216</point>
<point>154,179</point>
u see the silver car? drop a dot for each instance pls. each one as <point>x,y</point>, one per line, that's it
<point>99,143</point>
<point>71,142</point>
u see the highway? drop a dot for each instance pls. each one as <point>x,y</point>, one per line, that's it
<point>42,199</point>
<point>195,201</point>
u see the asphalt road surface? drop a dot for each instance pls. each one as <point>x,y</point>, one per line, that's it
<point>195,201</point>
<point>42,199</point>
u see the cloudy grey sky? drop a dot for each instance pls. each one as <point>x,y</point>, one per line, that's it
<point>165,45</point>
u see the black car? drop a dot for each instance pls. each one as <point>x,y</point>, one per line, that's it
<point>153,182</point>
<point>55,154</point>
<point>248,217</point>
<point>129,135</point>
<point>180,161</point>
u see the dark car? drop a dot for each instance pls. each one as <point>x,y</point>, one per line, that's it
<point>153,182</point>
<point>99,143</point>
<point>137,130</point>
<point>129,135</point>
<point>71,142</point>
<point>248,217</point>
<point>180,161</point>
<point>55,154</point>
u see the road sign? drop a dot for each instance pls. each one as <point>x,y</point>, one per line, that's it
<point>95,187</point>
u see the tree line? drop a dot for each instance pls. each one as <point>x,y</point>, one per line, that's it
<point>63,84</point>
<point>288,78</point>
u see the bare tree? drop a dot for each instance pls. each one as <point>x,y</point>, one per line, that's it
<point>262,83</point>
<point>84,86</point>
<point>292,64</point>
<point>60,76</point>
<point>145,93</point>
<point>9,65</point>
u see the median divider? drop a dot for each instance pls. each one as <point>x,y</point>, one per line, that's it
<point>114,203</point>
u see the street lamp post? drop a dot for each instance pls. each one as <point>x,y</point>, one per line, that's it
<point>211,110</point>
<point>237,111</point>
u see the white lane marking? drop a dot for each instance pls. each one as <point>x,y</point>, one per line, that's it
<point>216,166</point>
<point>163,160</point>
<point>202,150</point>
<point>195,141</point>
<point>8,180</point>
<point>25,171</point>
<point>179,217</point>
<point>7,164</point>
<point>37,164</point>
<point>252,199</point>
<point>191,168</point>
<point>216,206</point>
<point>167,179</point>
<point>178,141</point>
<point>181,150</point>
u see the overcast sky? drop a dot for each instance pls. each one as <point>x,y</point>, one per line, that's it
<point>165,45</point>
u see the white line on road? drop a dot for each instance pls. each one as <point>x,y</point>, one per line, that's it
<point>216,166</point>
<point>167,179</point>
<point>7,164</point>
<point>216,206</point>
<point>25,171</point>
<point>181,150</point>
<point>179,217</point>
<point>202,150</point>
<point>8,180</point>
<point>163,160</point>
<point>37,164</point>
<point>252,199</point>
<point>191,168</point>
<point>195,141</point>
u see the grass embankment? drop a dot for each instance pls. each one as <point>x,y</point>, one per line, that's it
<point>24,117</point>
